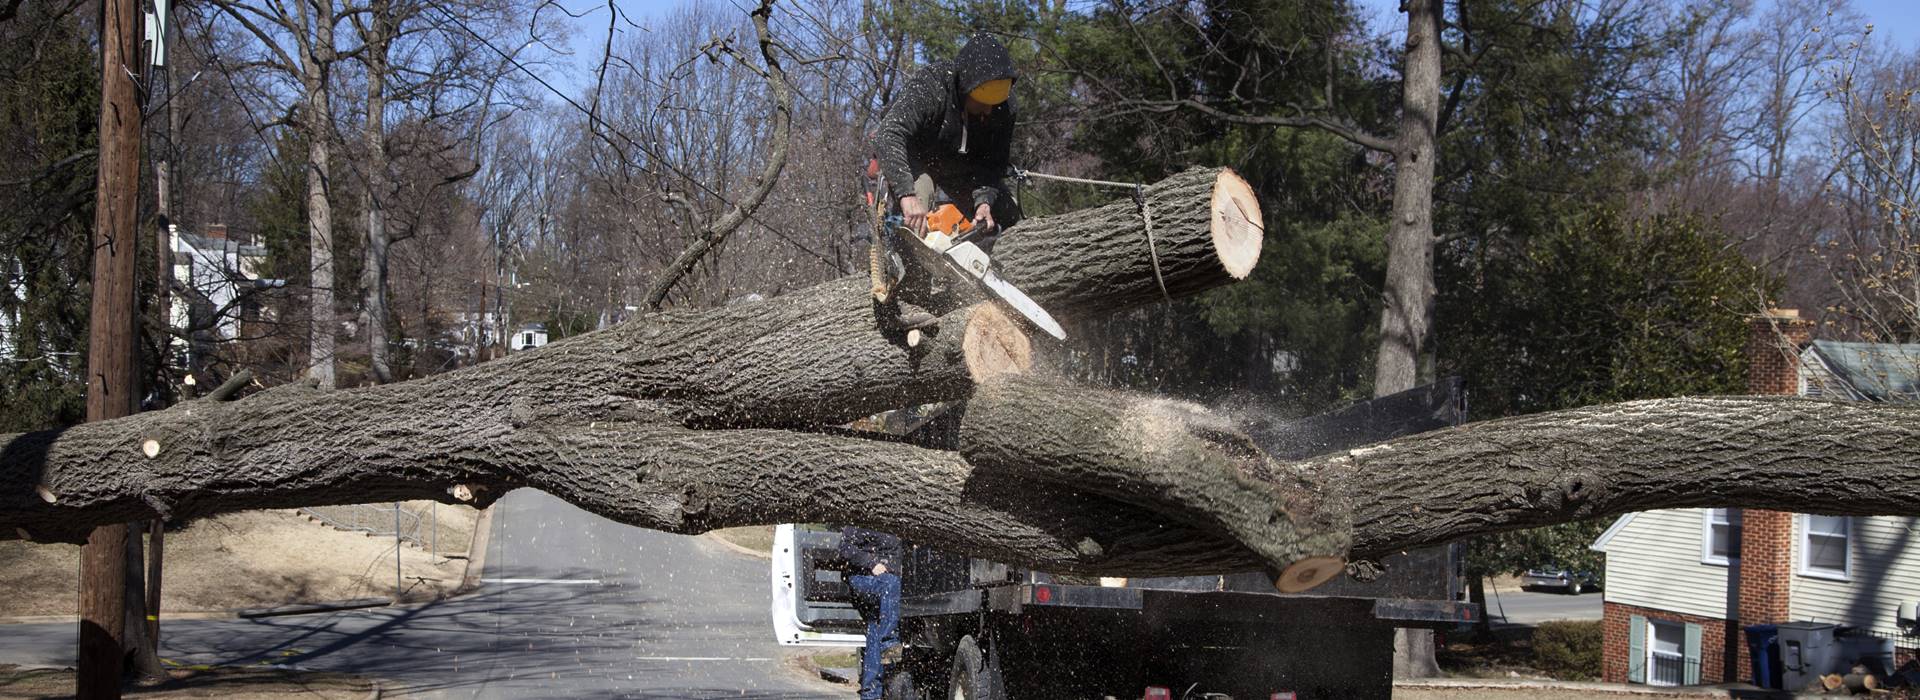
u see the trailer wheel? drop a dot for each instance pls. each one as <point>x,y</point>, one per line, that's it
<point>973,677</point>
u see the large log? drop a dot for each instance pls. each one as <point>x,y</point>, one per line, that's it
<point>1480,478</point>
<point>1174,458</point>
<point>814,357</point>
<point>688,421</point>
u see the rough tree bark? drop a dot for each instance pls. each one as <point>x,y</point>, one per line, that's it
<point>1406,310</point>
<point>316,120</point>
<point>113,360</point>
<point>687,421</point>
<point>377,32</point>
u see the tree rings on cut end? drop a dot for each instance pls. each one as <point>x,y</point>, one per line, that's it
<point>150,448</point>
<point>995,344</point>
<point>1238,226</point>
<point>1309,572</point>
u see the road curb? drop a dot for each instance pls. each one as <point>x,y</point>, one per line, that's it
<point>309,608</point>
<point>476,553</point>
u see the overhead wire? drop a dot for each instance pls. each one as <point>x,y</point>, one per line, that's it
<point>602,123</point>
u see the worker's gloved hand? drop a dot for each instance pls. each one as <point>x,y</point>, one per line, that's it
<point>986,231</point>
<point>914,212</point>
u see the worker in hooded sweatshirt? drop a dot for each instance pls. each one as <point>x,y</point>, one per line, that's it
<point>950,133</point>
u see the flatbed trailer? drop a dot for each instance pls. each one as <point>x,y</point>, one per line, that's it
<point>981,630</point>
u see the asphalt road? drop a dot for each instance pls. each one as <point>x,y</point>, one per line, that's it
<point>1532,608</point>
<point>575,606</point>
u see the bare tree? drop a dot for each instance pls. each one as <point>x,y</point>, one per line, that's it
<point>296,44</point>
<point>1872,253</point>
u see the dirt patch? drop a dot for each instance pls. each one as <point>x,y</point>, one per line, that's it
<point>236,683</point>
<point>252,559</point>
<point>755,538</point>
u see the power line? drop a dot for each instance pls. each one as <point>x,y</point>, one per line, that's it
<point>596,120</point>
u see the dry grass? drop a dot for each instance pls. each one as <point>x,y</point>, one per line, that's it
<point>249,559</point>
<point>758,538</point>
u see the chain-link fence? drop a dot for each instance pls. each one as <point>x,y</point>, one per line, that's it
<point>414,522</point>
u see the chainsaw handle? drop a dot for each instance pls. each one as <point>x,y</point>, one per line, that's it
<point>978,229</point>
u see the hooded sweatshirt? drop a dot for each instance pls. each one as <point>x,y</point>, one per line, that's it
<point>926,129</point>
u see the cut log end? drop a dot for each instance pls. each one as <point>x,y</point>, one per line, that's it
<point>1238,226</point>
<point>995,345</point>
<point>1308,573</point>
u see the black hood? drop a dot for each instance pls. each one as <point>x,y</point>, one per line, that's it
<point>981,60</point>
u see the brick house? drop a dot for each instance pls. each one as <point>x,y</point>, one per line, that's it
<point>1681,584</point>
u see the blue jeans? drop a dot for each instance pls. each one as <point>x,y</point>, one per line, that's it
<point>878,600</point>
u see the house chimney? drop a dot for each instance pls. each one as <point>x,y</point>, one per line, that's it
<point>1773,352</point>
<point>217,232</point>
<point>1765,567</point>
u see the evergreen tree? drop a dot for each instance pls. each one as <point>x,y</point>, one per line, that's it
<point>49,113</point>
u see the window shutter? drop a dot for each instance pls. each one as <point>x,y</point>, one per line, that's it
<point>1693,655</point>
<point>1636,649</point>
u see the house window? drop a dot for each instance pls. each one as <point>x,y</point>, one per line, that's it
<point>1720,536</point>
<point>1666,655</point>
<point>526,339</point>
<point>1825,546</point>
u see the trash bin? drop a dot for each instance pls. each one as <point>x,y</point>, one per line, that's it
<point>1807,651</point>
<point>1873,652</point>
<point>1765,656</point>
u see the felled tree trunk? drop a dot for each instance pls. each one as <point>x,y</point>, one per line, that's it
<point>688,421</point>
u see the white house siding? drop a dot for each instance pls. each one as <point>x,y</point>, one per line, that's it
<point>1885,573</point>
<point>1654,562</point>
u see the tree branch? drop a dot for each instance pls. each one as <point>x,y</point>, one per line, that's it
<point>782,93</point>
<point>1345,130</point>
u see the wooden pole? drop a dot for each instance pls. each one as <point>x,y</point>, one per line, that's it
<point>112,372</point>
<point>163,203</point>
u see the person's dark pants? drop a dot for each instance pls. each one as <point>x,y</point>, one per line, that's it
<point>878,600</point>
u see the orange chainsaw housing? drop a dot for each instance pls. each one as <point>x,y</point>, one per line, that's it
<point>947,219</point>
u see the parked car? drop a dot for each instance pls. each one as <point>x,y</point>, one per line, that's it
<point>1573,582</point>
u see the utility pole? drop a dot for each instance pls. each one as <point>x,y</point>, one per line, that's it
<point>112,372</point>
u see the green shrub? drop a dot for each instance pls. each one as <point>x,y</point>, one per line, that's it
<point>1567,650</point>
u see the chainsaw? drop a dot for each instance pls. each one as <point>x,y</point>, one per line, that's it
<point>947,236</point>
<point>949,233</point>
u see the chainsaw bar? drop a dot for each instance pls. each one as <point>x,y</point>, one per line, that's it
<point>1022,303</point>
